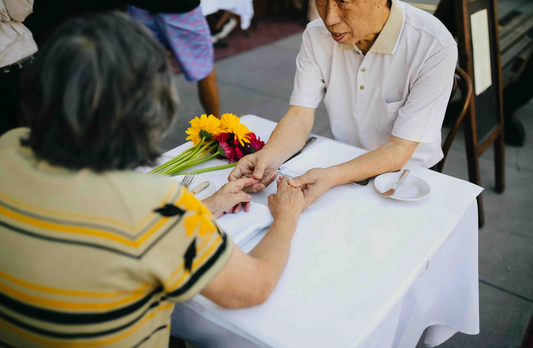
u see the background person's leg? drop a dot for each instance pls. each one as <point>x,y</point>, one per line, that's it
<point>208,93</point>
<point>189,37</point>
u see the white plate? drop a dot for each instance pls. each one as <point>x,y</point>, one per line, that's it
<point>411,188</point>
<point>198,179</point>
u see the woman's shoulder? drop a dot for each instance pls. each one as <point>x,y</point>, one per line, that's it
<point>12,138</point>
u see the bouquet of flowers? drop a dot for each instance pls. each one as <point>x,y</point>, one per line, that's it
<point>213,138</point>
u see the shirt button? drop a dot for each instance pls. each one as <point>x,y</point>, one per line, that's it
<point>362,87</point>
<point>363,69</point>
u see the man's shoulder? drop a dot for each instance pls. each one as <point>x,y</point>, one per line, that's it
<point>316,31</point>
<point>316,35</point>
<point>423,23</point>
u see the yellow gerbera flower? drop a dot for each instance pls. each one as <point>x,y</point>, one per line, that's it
<point>232,124</point>
<point>200,220</point>
<point>203,127</point>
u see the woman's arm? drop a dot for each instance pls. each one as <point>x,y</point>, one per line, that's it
<point>248,280</point>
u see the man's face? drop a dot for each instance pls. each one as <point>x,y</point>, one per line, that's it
<point>349,21</point>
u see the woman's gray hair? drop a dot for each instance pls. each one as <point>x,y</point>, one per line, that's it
<point>99,95</point>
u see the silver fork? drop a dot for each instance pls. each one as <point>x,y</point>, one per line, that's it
<point>187,180</point>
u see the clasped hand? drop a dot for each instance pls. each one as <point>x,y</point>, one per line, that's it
<point>263,167</point>
<point>287,204</point>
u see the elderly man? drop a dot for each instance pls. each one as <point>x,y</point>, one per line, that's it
<point>385,71</point>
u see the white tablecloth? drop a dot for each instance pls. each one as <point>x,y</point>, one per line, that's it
<point>243,8</point>
<point>364,271</point>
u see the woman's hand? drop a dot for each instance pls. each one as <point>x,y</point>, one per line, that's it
<point>288,203</point>
<point>313,184</point>
<point>230,199</point>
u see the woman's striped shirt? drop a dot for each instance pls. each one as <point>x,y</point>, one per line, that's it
<point>97,260</point>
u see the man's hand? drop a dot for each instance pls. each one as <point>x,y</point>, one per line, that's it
<point>260,166</point>
<point>230,199</point>
<point>313,184</point>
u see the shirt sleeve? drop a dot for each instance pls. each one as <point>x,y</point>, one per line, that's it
<point>309,86</point>
<point>420,119</point>
<point>19,9</point>
<point>193,252</point>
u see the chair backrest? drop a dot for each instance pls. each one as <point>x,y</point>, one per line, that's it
<point>463,83</point>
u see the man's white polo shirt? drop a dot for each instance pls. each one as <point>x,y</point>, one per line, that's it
<point>400,87</point>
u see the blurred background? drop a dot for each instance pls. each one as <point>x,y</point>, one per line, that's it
<point>255,47</point>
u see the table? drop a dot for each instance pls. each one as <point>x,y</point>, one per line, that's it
<point>364,271</point>
<point>242,8</point>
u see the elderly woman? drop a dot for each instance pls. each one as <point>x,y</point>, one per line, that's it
<point>91,252</point>
<point>385,71</point>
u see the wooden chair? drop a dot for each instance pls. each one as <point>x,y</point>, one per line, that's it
<point>462,83</point>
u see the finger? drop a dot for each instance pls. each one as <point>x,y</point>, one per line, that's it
<point>254,188</point>
<point>237,208</point>
<point>237,198</point>
<point>241,183</point>
<point>269,179</point>
<point>259,169</point>
<point>247,206</point>
<point>236,173</point>
<point>300,181</point>
<point>242,169</point>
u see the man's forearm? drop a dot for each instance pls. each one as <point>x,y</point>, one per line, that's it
<point>389,157</point>
<point>291,133</point>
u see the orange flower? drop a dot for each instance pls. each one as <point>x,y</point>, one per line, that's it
<point>232,124</point>
<point>203,127</point>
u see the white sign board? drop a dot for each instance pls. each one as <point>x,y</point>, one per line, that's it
<point>480,42</point>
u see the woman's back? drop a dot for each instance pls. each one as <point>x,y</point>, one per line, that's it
<point>90,259</point>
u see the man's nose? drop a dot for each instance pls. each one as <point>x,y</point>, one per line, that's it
<point>332,13</point>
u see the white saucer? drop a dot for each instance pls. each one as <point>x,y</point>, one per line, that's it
<point>198,179</point>
<point>411,188</point>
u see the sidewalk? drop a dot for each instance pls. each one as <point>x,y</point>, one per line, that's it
<point>260,82</point>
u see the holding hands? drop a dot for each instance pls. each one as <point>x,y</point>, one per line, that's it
<point>313,184</point>
<point>288,203</point>
<point>261,166</point>
<point>231,198</point>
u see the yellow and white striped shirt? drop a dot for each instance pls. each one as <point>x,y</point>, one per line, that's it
<point>97,259</point>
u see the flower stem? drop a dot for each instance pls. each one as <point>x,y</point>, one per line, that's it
<point>212,169</point>
<point>171,162</point>
<point>187,159</point>
<point>190,164</point>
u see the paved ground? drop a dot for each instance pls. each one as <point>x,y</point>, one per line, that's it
<point>260,82</point>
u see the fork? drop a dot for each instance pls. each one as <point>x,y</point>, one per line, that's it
<point>187,180</point>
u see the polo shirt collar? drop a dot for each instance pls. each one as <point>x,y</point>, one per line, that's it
<point>389,36</point>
